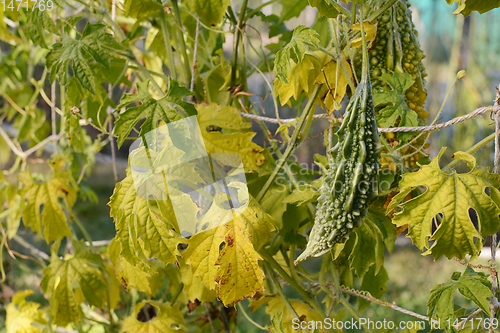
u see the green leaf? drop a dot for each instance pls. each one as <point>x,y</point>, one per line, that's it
<point>139,9</point>
<point>368,248</point>
<point>449,195</point>
<point>211,12</point>
<point>145,228</point>
<point>470,284</point>
<point>466,7</point>
<point>325,8</point>
<point>47,193</point>
<point>294,50</point>
<point>168,108</point>
<point>375,284</point>
<point>38,22</point>
<point>63,277</point>
<point>397,112</point>
<point>95,45</point>
<point>21,314</point>
<point>291,9</point>
<point>303,195</point>
<point>169,319</point>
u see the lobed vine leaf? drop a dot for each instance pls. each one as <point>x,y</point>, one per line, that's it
<point>51,218</point>
<point>39,22</point>
<point>137,276</point>
<point>235,269</point>
<point>447,201</point>
<point>64,280</point>
<point>300,78</point>
<point>397,111</point>
<point>294,50</point>
<point>168,108</point>
<point>470,284</point>
<point>332,75</point>
<point>95,45</point>
<point>21,314</point>
<point>169,319</point>
<point>144,228</point>
<point>214,121</point>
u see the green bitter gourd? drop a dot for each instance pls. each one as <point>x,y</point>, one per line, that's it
<point>352,175</point>
<point>397,48</point>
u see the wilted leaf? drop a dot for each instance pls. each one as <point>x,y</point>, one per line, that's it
<point>300,79</point>
<point>332,75</point>
<point>52,217</point>
<point>370,31</point>
<point>62,278</point>
<point>21,313</point>
<point>294,50</point>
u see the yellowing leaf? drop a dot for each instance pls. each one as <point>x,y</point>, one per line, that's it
<point>21,313</point>
<point>275,305</point>
<point>146,279</point>
<point>52,218</point>
<point>235,268</point>
<point>168,319</point>
<point>238,142</point>
<point>294,50</point>
<point>300,78</point>
<point>144,228</point>
<point>194,288</point>
<point>446,202</point>
<point>370,31</point>
<point>62,277</point>
<point>332,75</point>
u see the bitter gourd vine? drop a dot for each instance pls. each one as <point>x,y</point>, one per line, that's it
<point>353,173</point>
<point>397,49</point>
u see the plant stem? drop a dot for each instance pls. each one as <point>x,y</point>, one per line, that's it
<point>308,298</point>
<point>237,37</point>
<point>282,294</point>
<point>382,10</point>
<point>168,45</point>
<point>292,143</point>
<point>343,300</point>
<point>186,67</point>
<point>472,150</point>
<point>265,4</point>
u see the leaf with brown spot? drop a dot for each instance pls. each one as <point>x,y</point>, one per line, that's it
<point>235,269</point>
